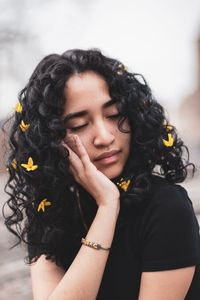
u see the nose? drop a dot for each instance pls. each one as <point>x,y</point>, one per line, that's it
<point>103,136</point>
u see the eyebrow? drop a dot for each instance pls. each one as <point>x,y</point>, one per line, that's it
<point>83,113</point>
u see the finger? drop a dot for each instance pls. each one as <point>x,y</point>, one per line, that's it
<point>74,168</point>
<point>77,146</point>
<point>69,142</point>
<point>73,172</point>
<point>75,162</point>
<point>80,150</point>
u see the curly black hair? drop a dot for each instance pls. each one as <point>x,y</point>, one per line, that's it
<point>41,107</point>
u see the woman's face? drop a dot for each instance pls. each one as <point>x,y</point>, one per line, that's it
<point>93,117</point>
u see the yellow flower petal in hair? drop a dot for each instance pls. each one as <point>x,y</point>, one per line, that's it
<point>42,204</point>
<point>14,164</point>
<point>169,127</point>
<point>169,142</point>
<point>18,107</point>
<point>124,184</point>
<point>30,166</point>
<point>24,126</point>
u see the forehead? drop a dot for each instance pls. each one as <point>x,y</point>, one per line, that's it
<point>85,89</point>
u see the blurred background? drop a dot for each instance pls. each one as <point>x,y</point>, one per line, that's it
<point>157,38</point>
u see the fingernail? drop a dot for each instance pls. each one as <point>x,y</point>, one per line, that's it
<point>71,140</point>
<point>74,138</point>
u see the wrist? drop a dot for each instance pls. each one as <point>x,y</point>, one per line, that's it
<point>113,206</point>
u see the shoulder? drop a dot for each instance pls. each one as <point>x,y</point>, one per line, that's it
<point>169,231</point>
<point>169,204</point>
<point>166,193</point>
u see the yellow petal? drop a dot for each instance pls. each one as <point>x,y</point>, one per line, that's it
<point>30,161</point>
<point>41,207</point>
<point>18,107</point>
<point>169,127</point>
<point>14,164</point>
<point>24,126</point>
<point>42,204</point>
<point>124,185</point>
<point>29,166</point>
<point>24,166</point>
<point>32,168</point>
<point>169,142</point>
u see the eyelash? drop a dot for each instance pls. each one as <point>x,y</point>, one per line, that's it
<point>79,127</point>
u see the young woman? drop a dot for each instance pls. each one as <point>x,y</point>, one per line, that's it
<point>93,167</point>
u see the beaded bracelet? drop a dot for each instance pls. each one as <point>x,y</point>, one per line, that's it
<point>93,245</point>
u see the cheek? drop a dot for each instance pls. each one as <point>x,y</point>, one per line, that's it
<point>126,142</point>
<point>127,136</point>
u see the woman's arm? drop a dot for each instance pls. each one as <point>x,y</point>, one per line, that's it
<point>82,279</point>
<point>166,285</point>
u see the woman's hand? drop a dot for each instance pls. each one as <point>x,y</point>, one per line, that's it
<point>102,189</point>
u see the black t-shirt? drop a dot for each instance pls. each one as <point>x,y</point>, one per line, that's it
<point>160,234</point>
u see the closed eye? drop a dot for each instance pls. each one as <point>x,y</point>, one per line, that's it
<point>109,117</point>
<point>77,128</point>
<point>114,116</point>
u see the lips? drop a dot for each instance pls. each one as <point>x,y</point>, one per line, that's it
<point>107,154</point>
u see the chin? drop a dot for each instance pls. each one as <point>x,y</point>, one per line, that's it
<point>112,171</point>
